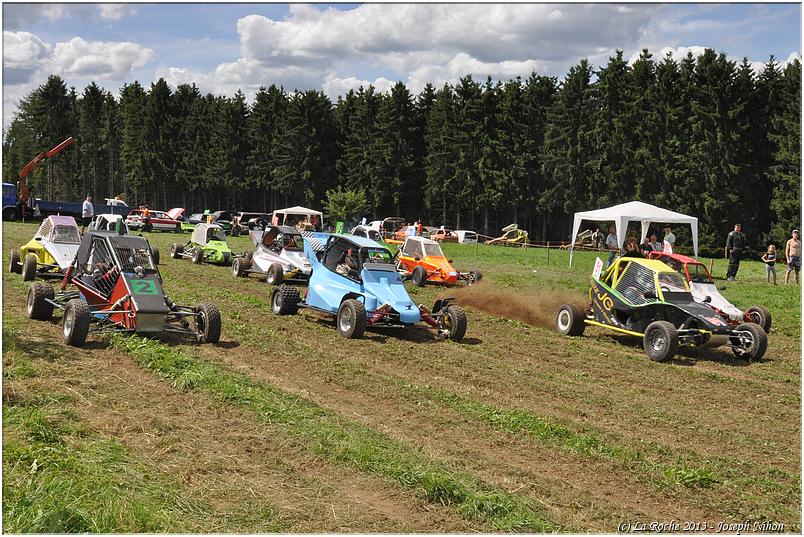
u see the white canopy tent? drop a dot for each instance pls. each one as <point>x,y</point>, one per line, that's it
<point>282,214</point>
<point>634,211</point>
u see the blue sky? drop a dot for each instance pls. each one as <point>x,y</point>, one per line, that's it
<point>337,47</point>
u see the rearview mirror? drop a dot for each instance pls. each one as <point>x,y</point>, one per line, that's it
<point>38,238</point>
<point>649,295</point>
<point>417,258</point>
<point>449,261</point>
<point>708,299</point>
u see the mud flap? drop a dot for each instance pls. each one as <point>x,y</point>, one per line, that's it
<point>441,303</point>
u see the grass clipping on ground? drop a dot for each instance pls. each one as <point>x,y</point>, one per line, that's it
<point>326,433</point>
<point>538,309</point>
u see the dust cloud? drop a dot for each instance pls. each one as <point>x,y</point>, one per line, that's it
<point>536,308</point>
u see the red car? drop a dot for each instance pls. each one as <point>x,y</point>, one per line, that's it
<point>704,290</point>
<point>159,220</point>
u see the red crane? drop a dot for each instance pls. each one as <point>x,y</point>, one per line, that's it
<point>31,166</point>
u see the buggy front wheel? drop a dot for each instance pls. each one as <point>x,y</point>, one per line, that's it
<point>660,341</point>
<point>453,323</point>
<point>570,320</point>
<point>351,319</point>
<point>197,256</point>
<point>29,268</point>
<point>761,316</point>
<point>75,325</point>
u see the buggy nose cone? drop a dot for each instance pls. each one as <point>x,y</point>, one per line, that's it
<point>408,313</point>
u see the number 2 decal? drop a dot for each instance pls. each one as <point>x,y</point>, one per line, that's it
<point>144,287</point>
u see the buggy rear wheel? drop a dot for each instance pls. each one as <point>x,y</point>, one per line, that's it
<point>37,307</point>
<point>660,341</point>
<point>208,323</point>
<point>351,319</point>
<point>750,343</point>
<point>176,250</point>
<point>475,276</point>
<point>29,268</point>
<point>275,275</point>
<point>14,261</point>
<point>760,316</point>
<point>453,323</point>
<point>75,324</point>
<point>285,300</point>
<point>570,320</point>
<point>155,254</point>
<point>197,256</point>
<point>239,267</point>
<point>419,276</point>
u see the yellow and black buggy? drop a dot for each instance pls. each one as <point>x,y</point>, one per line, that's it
<point>648,299</point>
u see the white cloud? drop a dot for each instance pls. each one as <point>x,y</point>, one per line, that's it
<point>23,49</point>
<point>105,60</point>
<point>115,12</point>
<point>462,64</point>
<point>335,86</point>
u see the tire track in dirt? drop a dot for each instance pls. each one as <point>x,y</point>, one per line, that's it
<point>225,457</point>
<point>554,478</point>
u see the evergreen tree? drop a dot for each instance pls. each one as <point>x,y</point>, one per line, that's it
<point>785,174</point>
<point>441,160</point>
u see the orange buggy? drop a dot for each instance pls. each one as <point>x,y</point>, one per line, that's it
<point>423,262</point>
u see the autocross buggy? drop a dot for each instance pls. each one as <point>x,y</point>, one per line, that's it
<point>207,243</point>
<point>50,252</point>
<point>423,261</point>
<point>364,292</point>
<point>648,299</point>
<point>118,288</point>
<point>278,255</point>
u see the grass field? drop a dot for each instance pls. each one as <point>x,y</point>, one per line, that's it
<point>286,427</point>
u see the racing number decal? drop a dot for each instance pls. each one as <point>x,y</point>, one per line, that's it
<point>144,287</point>
<point>605,300</point>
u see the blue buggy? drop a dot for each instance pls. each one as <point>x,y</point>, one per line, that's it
<point>354,278</point>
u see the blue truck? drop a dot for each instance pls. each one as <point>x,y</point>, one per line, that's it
<point>43,208</point>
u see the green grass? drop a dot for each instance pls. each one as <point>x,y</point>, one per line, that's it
<point>58,478</point>
<point>329,434</point>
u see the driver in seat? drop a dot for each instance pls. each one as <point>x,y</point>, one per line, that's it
<point>348,265</point>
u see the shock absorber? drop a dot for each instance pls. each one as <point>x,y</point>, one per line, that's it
<point>379,313</point>
<point>427,316</point>
<point>67,276</point>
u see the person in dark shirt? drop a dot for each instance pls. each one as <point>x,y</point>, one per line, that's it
<point>735,244</point>
<point>632,248</point>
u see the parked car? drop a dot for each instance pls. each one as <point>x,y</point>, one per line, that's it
<point>704,291</point>
<point>159,220</point>
<point>465,236</point>
<point>50,252</point>
<point>444,235</point>
<point>245,221</point>
<point>355,281</point>
<point>278,256</point>
<point>367,232</point>
<point>648,299</point>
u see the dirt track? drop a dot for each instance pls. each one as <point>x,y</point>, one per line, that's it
<point>709,409</point>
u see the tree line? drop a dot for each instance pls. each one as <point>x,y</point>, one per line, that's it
<point>703,136</point>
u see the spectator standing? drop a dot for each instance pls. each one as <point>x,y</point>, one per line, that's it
<point>669,237</point>
<point>87,212</point>
<point>597,239</point>
<point>735,244</point>
<point>769,258</point>
<point>611,245</point>
<point>792,253</point>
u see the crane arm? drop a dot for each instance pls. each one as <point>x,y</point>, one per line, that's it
<point>36,161</point>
